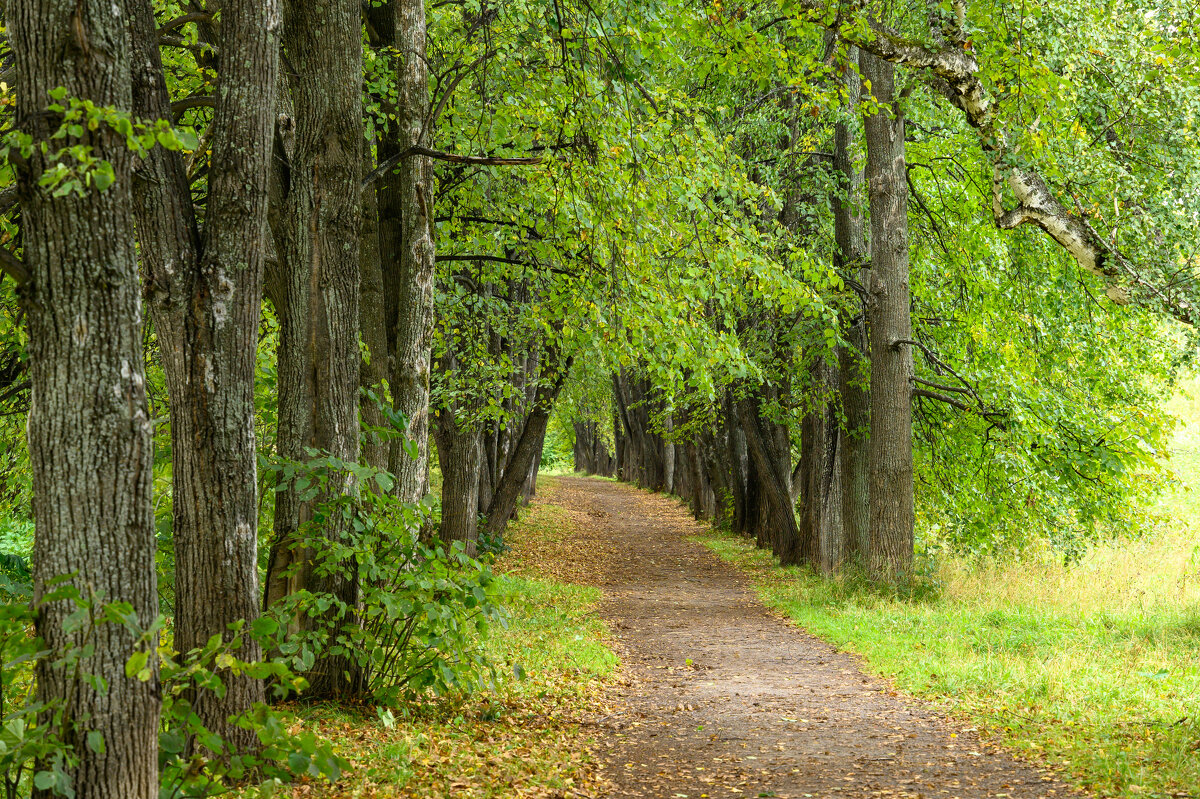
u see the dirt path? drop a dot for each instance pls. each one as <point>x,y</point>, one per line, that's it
<point>727,700</point>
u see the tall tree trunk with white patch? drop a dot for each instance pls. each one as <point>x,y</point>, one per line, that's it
<point>407,245</point>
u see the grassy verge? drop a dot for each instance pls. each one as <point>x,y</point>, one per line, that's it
<point>1108,691</point>
<point>1094,669</point>
<point>528,737</point>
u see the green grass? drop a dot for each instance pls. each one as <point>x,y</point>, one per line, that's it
<point>1092,669</point>
<point>522,739</point>
<point>553,631</point>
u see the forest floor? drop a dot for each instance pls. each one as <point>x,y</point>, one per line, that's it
<point>723,698</point>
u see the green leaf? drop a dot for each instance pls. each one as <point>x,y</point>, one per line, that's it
<point>264,626</point>
<point>103,177</point>
<point>136,664</point>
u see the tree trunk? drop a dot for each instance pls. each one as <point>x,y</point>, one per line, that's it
<point>530,490</point>
<point>668,458</point>
<point>856,441</point>
<point>823,502</point>
<point>215,477</point>
<point>487,440</point>
<point>732,466</point>
<point>459,457</point>
<point>372,325</point>
<point>529,446</point>
<point>406,241</point>
<point>618,438</point>
<point>89,427</point>
<point>591,451</point>
<point>778,518</point>
<point>584,449</point>
<point>319,318</point>
<point>891,526</point>
<point>681,486</point>
<point>853,365</point>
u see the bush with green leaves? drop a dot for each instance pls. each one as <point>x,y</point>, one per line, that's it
<point>422,607</point>
<point>193,760</point>
<point>36,738</point>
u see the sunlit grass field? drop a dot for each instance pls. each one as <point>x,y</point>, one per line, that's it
<point>1093,669</point>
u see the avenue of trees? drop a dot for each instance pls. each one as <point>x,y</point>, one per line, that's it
<point>855,280</point>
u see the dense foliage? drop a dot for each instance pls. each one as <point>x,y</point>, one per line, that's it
<point>647,236</point>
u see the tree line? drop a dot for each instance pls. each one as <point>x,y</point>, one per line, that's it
<point>836,274</point>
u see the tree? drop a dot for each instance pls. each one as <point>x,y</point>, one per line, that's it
<point>206,299</point>
<point>406,241</point>
<point>891,487</point>
<point>318,303</point>
<point>89,427</point>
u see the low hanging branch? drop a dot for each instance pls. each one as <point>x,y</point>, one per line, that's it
<point>497,259</point>
<point>195,101</point>
<point>474,160</point>
<point>179,22</point>
<point>993,417</point>
<point>944,393</point>
<point>14,389</point>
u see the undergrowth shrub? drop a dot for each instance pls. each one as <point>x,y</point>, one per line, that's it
<point>40,742</point>
<point>422,608</point>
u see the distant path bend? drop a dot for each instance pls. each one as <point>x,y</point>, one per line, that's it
<point>728,700</point>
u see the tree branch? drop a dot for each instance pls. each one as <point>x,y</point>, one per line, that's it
<point>995,417</point>
<point>12,266</point>
<point>195,101</point>
<point>14,389</point>
<point>940,387</point>
<point>476,160</point>
<point>954,73</point>
<point>498,259</point>
<point>179,22</point>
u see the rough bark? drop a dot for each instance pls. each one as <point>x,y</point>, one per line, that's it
<point>372,325</point>
<point>216,497</point>
<point>459,457</point>
<point>89,427</point>
<point>644,454</point>
<point>590,450</point>
<point>853,366</point>
<point>696,482</point>
<point>777,517</point>
<point>823,488</point>
<point>407,246</point>
<point>487,442</point>
<point>319,315</point>
<point>681,486</point>
<point>668,457</point>
<point>856,440</point>
<point>732,461</point>
<point>530,489</point>
<point>891,525</point>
